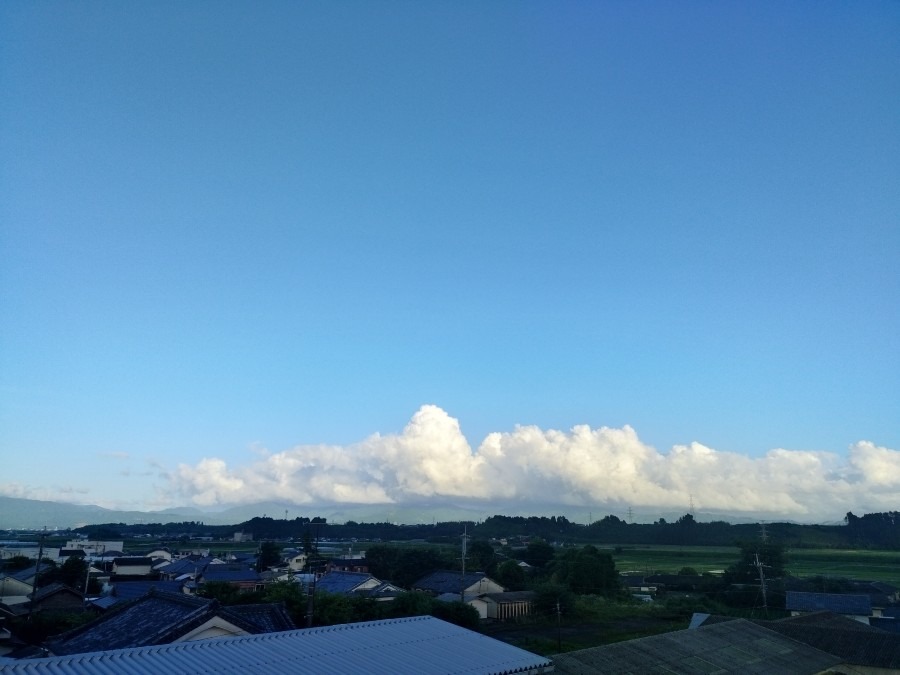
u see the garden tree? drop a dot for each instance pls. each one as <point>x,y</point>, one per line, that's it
<point>588,571</point>
<point>771,555</point>
<point>72,573</point>
<point>480,556</point>
<point>687,520</point>
<point>688,572</point>
<point>459,613</point>
<point>222,591</point>
<point>405,566</point>
<point>510,575</point>
<point>412,603</point>
<point>291,595</point>
<point>550,596</point>
<point>367,609</point>
<point>269,556</point>
<point>17,563</point>
<point>539,553</point>
<point>331,609</point>
<point>308,547</point>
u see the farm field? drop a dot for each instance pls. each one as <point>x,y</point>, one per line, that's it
<point>852,564</point>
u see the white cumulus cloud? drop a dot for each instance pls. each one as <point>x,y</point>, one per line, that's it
<point>587,467</point>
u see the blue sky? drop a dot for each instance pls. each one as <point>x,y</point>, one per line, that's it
<point>230,230</point>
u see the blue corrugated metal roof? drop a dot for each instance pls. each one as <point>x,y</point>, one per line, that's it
<point>859,605</point>
<point>422,645</point>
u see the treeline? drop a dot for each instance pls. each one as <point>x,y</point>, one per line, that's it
<point>874,530</point>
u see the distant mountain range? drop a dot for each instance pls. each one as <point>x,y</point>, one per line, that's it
<point>16,514</point>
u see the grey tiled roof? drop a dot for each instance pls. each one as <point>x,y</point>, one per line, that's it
<point>52,589</point>
<point>267,618</point>
<point>852,641</point>
<point>839,603</point>
<point>155,619</point>
<point>132,590</point>
<point>738,647</point>
<point>422,645</point>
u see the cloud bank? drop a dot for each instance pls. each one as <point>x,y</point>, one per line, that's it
<point>432,462</point>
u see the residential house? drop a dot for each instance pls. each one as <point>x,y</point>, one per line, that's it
<point>132,566</point>
<point>126,591</point>
<point>188,567</point>
<point>16,587</point>
<point>509,606</point>
<point>470,585</point>
<point>423,645</point>
<point>241,577</point>
<point>855,606</point>
<point>56,597</point>
<point>159,618</point>
<point>356,583</point>
<point>349,563</point>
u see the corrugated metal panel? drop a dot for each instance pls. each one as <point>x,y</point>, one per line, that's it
<point>422,645</point>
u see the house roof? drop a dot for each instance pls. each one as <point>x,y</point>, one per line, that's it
<point>155,619</point>
<point>342,582</point>
<point>53,589</point>
<point>230,573</point>
<point>839,603</point>
<point>737,646</point>
<point>132,561</point>
<point>422,644</point>
<point>71,552</point>
<point>267,617</point>
<point>187,565</point>
<point>132,590</point>
<point>24,575</point>
<point>853,641</point>
<point>511,596</point>
<point>448,581</point>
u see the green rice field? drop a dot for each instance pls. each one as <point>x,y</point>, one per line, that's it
<point>852,564</point>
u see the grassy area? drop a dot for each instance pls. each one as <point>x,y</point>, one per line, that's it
<point>851,564</point>
<point>670,559</point>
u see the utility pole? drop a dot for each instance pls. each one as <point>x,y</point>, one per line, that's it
<point>762,582</point>
<point>558,627</point>
<point>462,583</point>
<point>37,575</point>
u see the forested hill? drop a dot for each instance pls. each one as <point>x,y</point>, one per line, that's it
<point>873,530</point>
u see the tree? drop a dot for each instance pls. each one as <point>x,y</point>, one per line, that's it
<point>591,572</point>
<point>539,553</point>
<point>17,562</point>
<point>510,575</point>
<point>480,556</point>
<point>269,556</point>
<point>772,556</point>
<point>291,595</point>
<point>222,591</point>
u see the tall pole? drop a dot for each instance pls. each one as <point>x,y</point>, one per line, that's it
<point>462,583</point>
<point>37,574</point>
